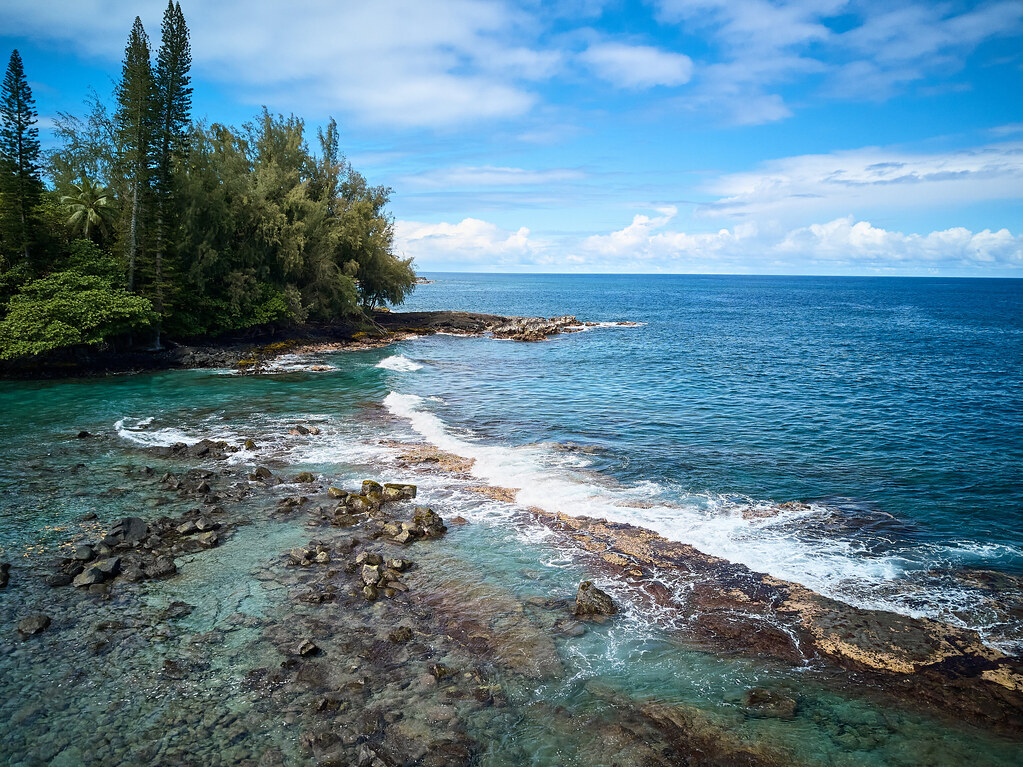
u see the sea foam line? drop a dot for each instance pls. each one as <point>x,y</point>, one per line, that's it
<point>399,363</point>
<point>841,569</point>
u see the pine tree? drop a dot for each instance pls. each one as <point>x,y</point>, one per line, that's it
<point>134,129</point>
<point>172,107</point>
<point>20,182</point>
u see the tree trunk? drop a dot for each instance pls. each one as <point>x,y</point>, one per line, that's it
<point>132,241</point>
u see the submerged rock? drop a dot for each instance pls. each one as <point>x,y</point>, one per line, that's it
<point>5,569</point>
<point>763,702</point>
<point>305,476</point>
<point>590,600</point>
<point>33,624</point>
<point>130,530</point>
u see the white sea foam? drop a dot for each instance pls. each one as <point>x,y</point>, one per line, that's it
<point>399,363</point>
<point>140,435</point>
<point>841,569</point>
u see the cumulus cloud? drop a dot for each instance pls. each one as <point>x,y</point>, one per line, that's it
<point>637,66</point>
<point>842,245</point>
<point>470,242</point>
<point>394,62</point>
<point>872,177</point>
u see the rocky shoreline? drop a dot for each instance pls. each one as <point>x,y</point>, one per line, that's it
<point>253,353</point>
<point>391,650</point>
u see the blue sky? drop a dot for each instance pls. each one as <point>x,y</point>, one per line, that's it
<point>708,136</point>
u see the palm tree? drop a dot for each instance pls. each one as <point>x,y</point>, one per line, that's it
<point>90,205</point>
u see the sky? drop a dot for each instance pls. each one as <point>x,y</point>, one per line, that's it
<point>860,137</point>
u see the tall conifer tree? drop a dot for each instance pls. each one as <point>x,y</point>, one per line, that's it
<point>173,107</point>
<point>134,128</point>
<point>20,182</point>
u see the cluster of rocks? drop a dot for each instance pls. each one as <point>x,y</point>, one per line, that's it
<point>204,448</point>
<point>136,550</point>
<point>535,328</point>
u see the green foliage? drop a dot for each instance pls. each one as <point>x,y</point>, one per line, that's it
<point>20,183</point>
<point>68,309</point>
<point>211,228</point>
<point>92,209</point>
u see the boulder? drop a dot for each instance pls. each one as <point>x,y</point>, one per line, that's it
<point>262,472</point>
<point>87,517</point>
<point>84,552</point>
<point>398,492</point>
<point>109,567</point>
<point>187,528</point>
<point>58,579</point>
<point>370,574</point>
<point>401,565</point>
<point>590,600</point>
<point>760,701</point>
<point>33,624</point>
<point>90,576</point>
<point>369,592</point>
<point>207,540</point>
<point>336,492</point>
<point>205,524</point>
<point>322,558</point>
<point>368,558</point>
<point>305,476</point>
<point>344,519</point>
<point>250,445</point>
<point>161,567</point>
<point>299,557</point>
<point>203,487</point>
<point>299,430</point>
<point>371,488</point>
<point>130,530</point>
<point>400,635</point>
<point>361,504</point>
<point>404,537</point>
<point>306,647</point>
<point>5,569</point>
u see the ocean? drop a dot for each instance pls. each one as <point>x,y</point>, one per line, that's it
<point>860,436</point>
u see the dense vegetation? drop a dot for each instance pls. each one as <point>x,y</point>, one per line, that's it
<point>154,225</point>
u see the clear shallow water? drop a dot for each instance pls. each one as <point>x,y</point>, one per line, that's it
<point>735,394</point>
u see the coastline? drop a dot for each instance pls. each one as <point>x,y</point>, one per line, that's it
<point>250,351</point>
<point>412,668</point>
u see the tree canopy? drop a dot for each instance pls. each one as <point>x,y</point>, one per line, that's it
<point>158,224</point>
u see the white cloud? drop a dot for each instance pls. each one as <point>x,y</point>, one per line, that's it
<point>392,62</point>
<point>765,45</point>
<point>637,66</point>
<point>843,245</point>
<point>489,176</point>
<point>649,244</point>
<point>872,177</point>
<point>469,242</point>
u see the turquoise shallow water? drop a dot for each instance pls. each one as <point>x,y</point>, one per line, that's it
<point>891,407</point>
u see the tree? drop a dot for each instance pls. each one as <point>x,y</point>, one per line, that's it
<point>173,107</point>
<point>90,205</point>
<point>133,125</point>
<point>20,182</point>
<point>87,147</point>
<point>68,309</point>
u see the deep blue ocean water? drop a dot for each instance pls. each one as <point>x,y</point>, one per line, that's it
<point>894,407</point>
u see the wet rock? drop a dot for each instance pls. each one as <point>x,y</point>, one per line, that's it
<point>84,552</point>
<point>250,445</point>
<point>88,517</point>
<point>336,492</point>
<point>369,558</point>
<point>187,528</point>
<point>5,577</point>
<point>763,702</point>
<point>207,540</point>
<point>370,574</point>
<point>203,487</point>
<point>399,565</point>
<point>590,600</point>
<point>83,435</point>
<point>299,557</point>
<point>298,430</point>
<point>372,489</point>
<point>439,671</point>
<point>204,524</point>
<point>130,530</point>
<point>361,504</point>
<point>460,521</point>
<point>262,472</point>
<point>369,592</point>
<point>33,624</point>
<point>322,558</point>
<point>398,492</point>
<point>133,574</point>
<point>305,476</point>
<point>404,537</point>
<point>344,519</point>
<point>161,567</point>
<point>306,648</point>
<point>58,579</point>
<point>401,635</point>
<point>176,610</point>
<point>108,567</point>
<point>90,576</point>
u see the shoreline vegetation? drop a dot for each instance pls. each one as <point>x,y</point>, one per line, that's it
<point>155,227</point>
